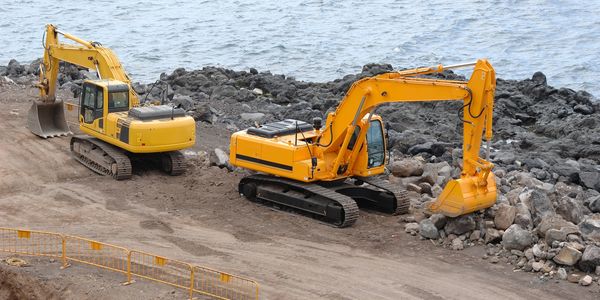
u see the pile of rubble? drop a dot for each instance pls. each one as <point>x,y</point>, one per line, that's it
<point>536,226</point>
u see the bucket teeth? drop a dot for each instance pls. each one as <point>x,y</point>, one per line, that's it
<point>47,119</point>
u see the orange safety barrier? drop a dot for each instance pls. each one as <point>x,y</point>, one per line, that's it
<point>161,269</point>
<point>223,285</point>
<point>95,253</point>
<point>30,242</point>
<point>194,279</point>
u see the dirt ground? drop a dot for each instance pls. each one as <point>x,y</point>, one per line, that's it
<point>200,218</point>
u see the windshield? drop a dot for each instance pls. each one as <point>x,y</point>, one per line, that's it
<point>118,101</point>
<point>375,145</point>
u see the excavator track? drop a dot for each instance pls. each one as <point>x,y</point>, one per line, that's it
<point>402,200</point>
<point>320,202</point>
<point>173,163</point>
<point>101,157</point>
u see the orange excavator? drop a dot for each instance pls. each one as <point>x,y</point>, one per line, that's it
<point>328,171</point>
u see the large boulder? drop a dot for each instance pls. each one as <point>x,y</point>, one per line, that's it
<point>590,180</point>
<point>505,216</point>
<point>594,204</point>
<point>541,206</point>
<point>590,229</point>
<point>567,256</point>
<point>428,230</point>
<point>523,216</point>
<point>570,209</point>
<point>223,92</point>
<point>460,225</point>
<point>555,222</point>
<point>407,167</point>
<point>590,259</point>
<point>516,238</point>
<point>438,220</point>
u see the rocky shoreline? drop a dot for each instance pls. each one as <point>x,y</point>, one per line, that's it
<point>546,148</point>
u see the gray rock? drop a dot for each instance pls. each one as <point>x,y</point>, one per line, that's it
<point>183,101</point>
<point>537,251</point>
<point>561,273</point>
<point>223,92</point>
<point>457,244</point>
<point>555,222</point>
<point>245,95</point>
<point>541,206</point>
<point>574,277</point>
<point>567,256</point>
<point>219,158</point>
<point>517,238</point>
<point>590,229</point>
<point>504,157</point>
<point>411,227</point>
<point>475,235</point>
<point>590,260</point>
<point>255,117</point>
<point>590,180</point>
<point>407,167</point>
<point>523,216</point>
<point>438,220</point>
<point>413,187</point>
<point>594,204</point>
<point>553,235</point>
<point>428,230</point>
<point>425,188</point>
<point>505,216</point>
<point>570,209</point>
<point>460,225</point>
<point>15,69</point>
<point>492,235</point>
<point>583,109</point>
<point>586,280</point>
<point>539,78</point>
<point>537,266</point>
<point>529,254</point>
<point>203,112</point>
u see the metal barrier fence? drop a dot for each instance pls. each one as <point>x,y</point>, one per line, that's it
<point>193,279</point>
<point>211,282</point>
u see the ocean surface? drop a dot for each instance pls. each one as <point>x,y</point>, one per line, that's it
<point>322,40</point>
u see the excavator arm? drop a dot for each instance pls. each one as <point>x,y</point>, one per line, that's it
<point>476,187</point>
<point>46,117</point>
<point>86,54</point>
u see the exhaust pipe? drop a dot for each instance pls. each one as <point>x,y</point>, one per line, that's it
<point>47,119</point>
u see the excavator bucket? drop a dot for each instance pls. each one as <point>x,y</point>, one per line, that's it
<point>463,196</point>
<point>47,119</point>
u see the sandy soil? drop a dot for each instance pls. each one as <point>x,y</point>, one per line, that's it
<point>200,218</point>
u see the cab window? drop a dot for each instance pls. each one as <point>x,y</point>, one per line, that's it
<point>375,144</point>
<point>118,101</point>
<point>89,96</point>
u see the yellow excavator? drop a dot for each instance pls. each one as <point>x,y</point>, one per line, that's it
<point>328,171</point>
<point>117,127</point>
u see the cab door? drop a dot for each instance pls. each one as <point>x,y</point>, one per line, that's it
<point>91,113</point>
<point>375,145</point>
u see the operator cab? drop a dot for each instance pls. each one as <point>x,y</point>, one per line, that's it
<point>100,97</point>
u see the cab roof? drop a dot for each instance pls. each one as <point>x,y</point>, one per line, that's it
<point>110,84</point>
